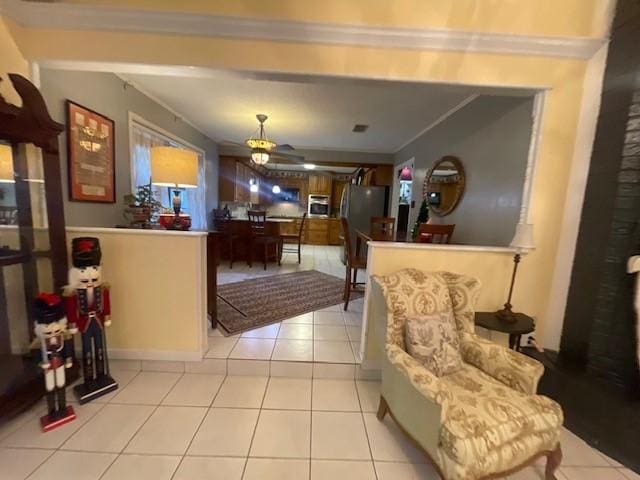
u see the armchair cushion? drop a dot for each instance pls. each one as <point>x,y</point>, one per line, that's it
<point>514,369</point>
<point>484,415</point>
<point>433,340</point>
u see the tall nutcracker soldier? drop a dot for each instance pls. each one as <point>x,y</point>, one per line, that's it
<point>51,329</point>
<point>88,307</point>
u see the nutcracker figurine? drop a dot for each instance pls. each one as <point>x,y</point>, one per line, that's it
<point>88,308</point>
<point>51,329</point>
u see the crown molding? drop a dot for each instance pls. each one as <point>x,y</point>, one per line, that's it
<point>88,17</point>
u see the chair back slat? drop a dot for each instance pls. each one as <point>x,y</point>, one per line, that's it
<point>346,237</point>
<point>301,231</point>
<point>257,221</point>
<point>383,224</point>
<point>428,233</point>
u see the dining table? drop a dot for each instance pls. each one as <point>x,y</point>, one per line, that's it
<point>380,236</point>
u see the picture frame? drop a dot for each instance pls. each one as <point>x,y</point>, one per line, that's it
<point>90,155</point>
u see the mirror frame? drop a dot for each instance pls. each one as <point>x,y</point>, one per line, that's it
<point>460,188</point>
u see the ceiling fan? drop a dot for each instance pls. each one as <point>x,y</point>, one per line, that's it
<point>262,149</point>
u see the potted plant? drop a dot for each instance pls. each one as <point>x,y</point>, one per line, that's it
<point>141,205</point>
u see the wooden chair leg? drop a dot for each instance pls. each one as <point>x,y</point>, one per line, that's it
<point>355,278</point>
<point>346,283</point>
<point>553,462</point>
<point>278,247</point>
<point>383,408</point>
<point>348,289</point>
<point>251,247</point>
<point>230,253</point>
<point>299,251</point>
<point>266,254</point>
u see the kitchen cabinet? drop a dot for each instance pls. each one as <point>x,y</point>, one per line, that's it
<point>319,184</point>
<point>317,231</point>
<point>235,180</point>
<point>334,231</point>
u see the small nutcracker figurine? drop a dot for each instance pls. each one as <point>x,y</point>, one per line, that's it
<point>88,307</point>
<point>51,329</point>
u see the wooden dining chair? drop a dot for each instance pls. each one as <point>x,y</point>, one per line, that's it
<point>293,238</point>
<point>382,224</point>
<point>223,225</point>
<point>257,225</point>
<point>428,233</point>
<point>353,264</point>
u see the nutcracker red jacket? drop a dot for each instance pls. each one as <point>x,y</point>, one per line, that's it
<point>79,310</point>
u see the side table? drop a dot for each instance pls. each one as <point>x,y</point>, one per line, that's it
<point>524,324</point>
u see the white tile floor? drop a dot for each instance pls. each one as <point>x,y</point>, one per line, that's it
<point>328,335</point>
<point>241,415</point>
<point>216,427</point>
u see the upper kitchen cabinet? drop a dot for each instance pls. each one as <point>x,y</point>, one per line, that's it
<point>336,193</point>
<point>319,184</point>
<point>235,181</point>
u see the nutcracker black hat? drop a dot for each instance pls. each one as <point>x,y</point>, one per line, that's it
<point>48,307</point>
<point>85,252</point>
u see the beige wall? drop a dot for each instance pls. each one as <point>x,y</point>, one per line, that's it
<point>539,17</point>
<point>491,265</point>
<point>563,77</point>
<point>11,61</point>
<point>157,292</point>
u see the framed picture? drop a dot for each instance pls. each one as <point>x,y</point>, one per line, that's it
<point>90,155</point>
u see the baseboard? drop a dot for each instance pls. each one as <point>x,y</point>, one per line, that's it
<point>164,355</point>
<point>371,365</point>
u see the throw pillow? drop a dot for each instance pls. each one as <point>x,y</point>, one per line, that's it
<point>433,340</point>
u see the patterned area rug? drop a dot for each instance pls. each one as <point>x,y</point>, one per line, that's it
<point>261,301</point>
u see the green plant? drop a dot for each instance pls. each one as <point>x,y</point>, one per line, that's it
<point>423,216</point>
<point>143,197</point>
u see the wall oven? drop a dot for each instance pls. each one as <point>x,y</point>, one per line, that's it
<point>318,206</point>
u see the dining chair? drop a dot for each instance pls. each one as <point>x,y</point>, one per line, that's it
<point>353,263</point>
<point>223,225</point>
<point>257,225</point>
<point>293,238</point>
<point>382,224</point>
<point>428,233</point>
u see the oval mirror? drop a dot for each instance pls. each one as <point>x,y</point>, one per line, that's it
<point>444,185</point>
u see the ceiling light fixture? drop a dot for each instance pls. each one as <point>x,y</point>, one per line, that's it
<point>261,146</point>
<point>309,166</point>
<point>276,189</point>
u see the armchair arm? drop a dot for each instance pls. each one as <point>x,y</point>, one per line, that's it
<point>419,376</point>
<point>512,368</point>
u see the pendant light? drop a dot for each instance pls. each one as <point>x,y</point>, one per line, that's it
<point>276,188</point>
<point>261,146</point>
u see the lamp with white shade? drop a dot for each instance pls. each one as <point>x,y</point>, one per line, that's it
<point>6,164</point>
<point>522,242</point>
<point>175,168</point>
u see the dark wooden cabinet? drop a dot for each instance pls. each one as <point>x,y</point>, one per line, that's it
<point>235,180</point>
<point>336,193</point>
<point>334,231</point>
<point>319,184</point>
<point>317,231</point>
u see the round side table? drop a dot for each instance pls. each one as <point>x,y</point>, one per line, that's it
<point>524,324</point>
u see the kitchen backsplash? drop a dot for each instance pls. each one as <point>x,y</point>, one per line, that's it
<point>281,209</point>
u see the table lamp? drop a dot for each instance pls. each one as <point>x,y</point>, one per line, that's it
<point>522,242</point>
<point>6,164</point>
<point>174,168</point>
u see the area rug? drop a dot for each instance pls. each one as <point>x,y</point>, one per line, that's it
<point>261,301</point>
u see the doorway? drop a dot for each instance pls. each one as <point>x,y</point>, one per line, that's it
<point>403,200</point>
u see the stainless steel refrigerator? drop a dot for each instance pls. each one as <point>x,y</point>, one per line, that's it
<point>358,204</point>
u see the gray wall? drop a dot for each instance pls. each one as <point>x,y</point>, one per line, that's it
<point>491,136</point>
<point>105,93</point>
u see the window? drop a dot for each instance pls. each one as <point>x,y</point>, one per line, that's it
<point>193,199</point>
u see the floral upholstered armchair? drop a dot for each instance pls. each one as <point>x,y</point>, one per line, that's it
<point>482,421</point>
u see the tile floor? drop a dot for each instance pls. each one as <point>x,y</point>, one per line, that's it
<point>184,426</point>
<point>328,335</point>
<point>293,421</point>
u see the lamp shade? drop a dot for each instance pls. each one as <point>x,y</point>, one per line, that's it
<point>523,239</point>
<point>6,164</point>
<point>174,167</point>
<point>405,174</point>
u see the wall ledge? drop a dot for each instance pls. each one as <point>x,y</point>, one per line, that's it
<point>136,231</point>
<point>447,248</point>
